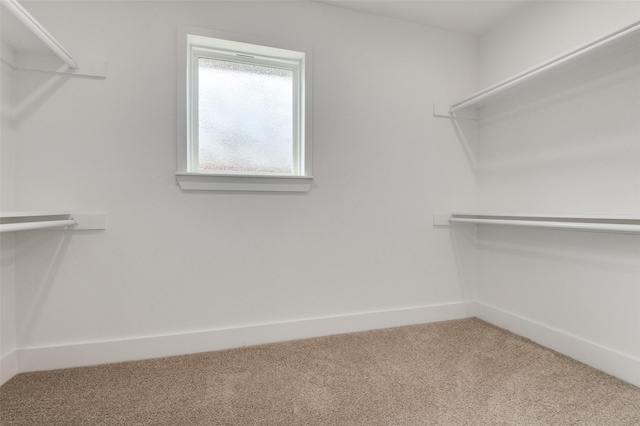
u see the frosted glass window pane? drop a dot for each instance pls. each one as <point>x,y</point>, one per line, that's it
<point>245,117</point>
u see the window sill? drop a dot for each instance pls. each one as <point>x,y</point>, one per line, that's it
<point>274,183</point>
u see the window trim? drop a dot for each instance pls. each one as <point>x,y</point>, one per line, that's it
<point>271,52</point>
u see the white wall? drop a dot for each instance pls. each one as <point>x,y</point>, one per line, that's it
<point>173,262</point>
<point>544,29</point>
<point>8,365</point>
<point>572,150</point>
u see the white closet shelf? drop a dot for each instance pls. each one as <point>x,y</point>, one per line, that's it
<point>27,45</point>
<point>622,40</point>
<point>30,220</point>
<point>27,214</point>
<point>616,224</point>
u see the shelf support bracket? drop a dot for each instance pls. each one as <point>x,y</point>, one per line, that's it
<point>444,111</point>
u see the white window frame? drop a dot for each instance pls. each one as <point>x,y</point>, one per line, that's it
<point>195,43</point>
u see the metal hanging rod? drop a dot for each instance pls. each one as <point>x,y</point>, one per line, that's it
<point>583,224</point>
<point>545,67</point>
<point>39,31</point>
<point>27,226</point>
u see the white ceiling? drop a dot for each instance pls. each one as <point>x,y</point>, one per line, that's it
<point>472,17</point>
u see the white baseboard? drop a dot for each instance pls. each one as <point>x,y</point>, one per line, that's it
<point>602,358</point>
<point>8,366</point>
<point>84,354</point>
<point>597,356</point>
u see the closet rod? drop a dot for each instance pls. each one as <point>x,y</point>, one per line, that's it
<point>27,226</point>
<point>540,69</point>
<point>39,31</point>
<point>575,224</point>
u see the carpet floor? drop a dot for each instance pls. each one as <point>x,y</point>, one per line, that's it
<point>462,372</point>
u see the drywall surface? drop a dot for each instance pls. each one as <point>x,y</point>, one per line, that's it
<point>7,270</point>
<point>7,136</point>
<point>570,148</point>
<point>543,30</point>
<point>172,262</point>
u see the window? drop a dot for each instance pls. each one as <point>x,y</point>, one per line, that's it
<point>243,114</point>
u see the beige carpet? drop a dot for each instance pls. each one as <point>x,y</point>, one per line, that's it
<point>463,372</point>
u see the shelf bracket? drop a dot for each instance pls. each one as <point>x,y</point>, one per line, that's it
<point>51,64</point>
<point>444,111</point>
